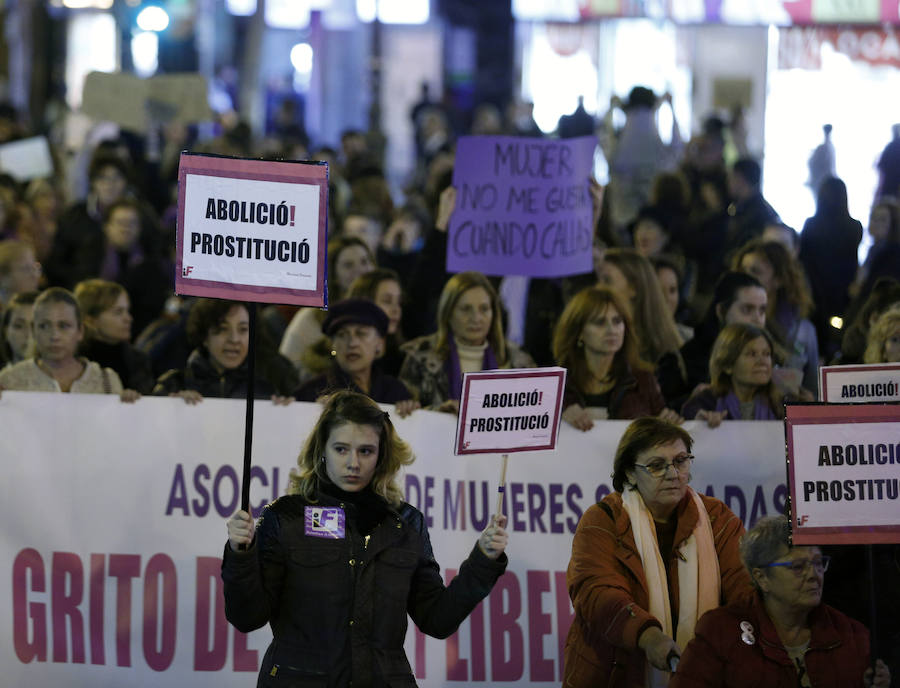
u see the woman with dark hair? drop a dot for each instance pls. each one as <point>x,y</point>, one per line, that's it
<point>740,368</point>
<point>784,636</point>
<point>788,309</point>
<point>337,624</point>
<point>647,562</point>
<point>883,259</point>
<point>885,294</point>
<point>469,338</point>
<point>219,331</point>
<point>107,319</point>
<point>828,248</point>
<point>595,340</point>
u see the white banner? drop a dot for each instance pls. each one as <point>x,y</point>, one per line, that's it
<point>116,516</point>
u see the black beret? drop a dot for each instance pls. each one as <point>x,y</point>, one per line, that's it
<point>355,312</point>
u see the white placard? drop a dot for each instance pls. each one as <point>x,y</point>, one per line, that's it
<point>860,383</point>
<point>510,410</point>
<point>27,159</point>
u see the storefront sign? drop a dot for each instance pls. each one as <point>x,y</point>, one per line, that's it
<point>251,230</point>
<point>504,411</point>
<point>844,473</point>
<point>523,206</point>
<point>860,383</point>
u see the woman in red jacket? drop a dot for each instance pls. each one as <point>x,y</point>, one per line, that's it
<point>647,561</point>
<point>785,637</point>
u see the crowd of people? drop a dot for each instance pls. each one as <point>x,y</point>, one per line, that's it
<point>701,304</point>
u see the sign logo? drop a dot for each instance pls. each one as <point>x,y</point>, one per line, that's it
<point>801,520</point>
<point>187,270</point>
<point>326,522</point>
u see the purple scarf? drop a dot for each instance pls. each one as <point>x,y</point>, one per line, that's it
<point>454,371</point>
<point>730,403</point>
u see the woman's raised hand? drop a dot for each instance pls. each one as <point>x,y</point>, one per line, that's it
<point>494,539</point>
<point>240,530</point>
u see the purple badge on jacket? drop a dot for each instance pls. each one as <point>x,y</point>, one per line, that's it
<point>324,522</point>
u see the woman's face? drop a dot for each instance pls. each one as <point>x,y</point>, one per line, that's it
<point>366,228</point>
<point>611,276</point>
<point>649,238</point>
<point>782,584</point>
<point>229,340</point>
<point>352,262</point>
<point>753,368</point>
<point>18,331</point>
<point>661,494</point>
<point>388,298</point>
<point>668,280</point>
<point>123,227</point>
<point>604,332</point>
<point>471,317</point>
<point>356,347</point>
<point>114,324</point>
<point>749,307</point>
<point>57,333</point>
<point>879,223</point>
<point>892,347</point>
<point>351,456</point>
<point>109,185</point>
<point>24,274</point>
<point>757,265</point>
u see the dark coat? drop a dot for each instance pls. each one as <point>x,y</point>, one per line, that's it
<point>838,652</point>
<point>338,606</point>
<point>385,389</point>
<point>202,376</point>
<point>132,365</point>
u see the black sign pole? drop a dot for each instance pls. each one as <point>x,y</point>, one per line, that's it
<point>873,612</point>
<point>248,422</point>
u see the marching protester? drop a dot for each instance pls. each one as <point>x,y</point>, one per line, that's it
<point>337,565</point>
<point>594,339</point>
<point>785,636</point>
<point>55,365</point>
<point>469,338</point>
<point>740,368</point>
<point>647,561</point>
<point>357,329</point>
<point>107,318</point>
<point>382,286</point>
<point>217,367</point>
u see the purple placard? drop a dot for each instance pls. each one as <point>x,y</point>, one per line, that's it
<point>523,206</point>
<point>324,522</point>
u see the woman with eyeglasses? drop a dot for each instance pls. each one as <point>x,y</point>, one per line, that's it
<point>647,561</point>
<point>785,637</point>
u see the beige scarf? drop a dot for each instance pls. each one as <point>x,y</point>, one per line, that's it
<point>699,580</point>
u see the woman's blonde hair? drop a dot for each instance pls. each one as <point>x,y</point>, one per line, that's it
<point>568,350</point>
<point>725,353</point>
<point>351,407</point>
<point>653,322</point>
<point>453,290</point>
<point>887,323</point>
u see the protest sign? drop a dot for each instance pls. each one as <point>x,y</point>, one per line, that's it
<point>135,104</point>
<point>843,462</point>
<point>523,206</point>
<point>27,159</point>
<point>251,230</point>
<point>510,410</point>
<point>860,383</point>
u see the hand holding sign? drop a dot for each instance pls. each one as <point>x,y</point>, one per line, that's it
<point>494,539</point>
<point>240,530</point>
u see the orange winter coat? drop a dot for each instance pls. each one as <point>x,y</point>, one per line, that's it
<point>608,590</point>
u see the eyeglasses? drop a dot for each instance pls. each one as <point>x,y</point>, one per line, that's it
<point>659,467</point>
<point>799,566</point>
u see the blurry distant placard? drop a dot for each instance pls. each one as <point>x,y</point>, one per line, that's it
<point>26,159</point>
<point>135,103</point>
<point>287,14</point>
<point>757,12</point>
